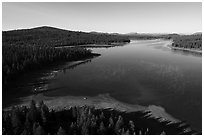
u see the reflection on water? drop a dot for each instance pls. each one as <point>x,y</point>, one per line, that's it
<point>186,53</point>
<point>144,72</point>
<point>36,82</point>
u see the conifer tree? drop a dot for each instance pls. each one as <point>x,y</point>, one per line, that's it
<point>39,131</point>
<point>102,117</point>
<point>61,131</point>
<point>102,129</point>
<point>84,129</point>
<point>118,125</point>
<point>132,127</point>
<point>15,120</point>
<point>72,129</point>
<point>44,113</point>
<point>127,132</point>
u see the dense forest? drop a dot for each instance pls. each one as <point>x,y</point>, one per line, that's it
<point>137,36</point>
<point>85,120</point>
<point>19,59</point>
<point>49,36</point>
<point>29,49</point>
<point>188,41</point>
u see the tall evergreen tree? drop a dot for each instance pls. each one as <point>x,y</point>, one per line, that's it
<point>61,131</point>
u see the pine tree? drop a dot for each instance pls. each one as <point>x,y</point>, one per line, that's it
<point>41,103</point>
<point>118,125</point>
<point>35,126</point>
<point>39,130</point>
<point>33,113</point>
<point>127,132</point>
<point>6,124</point>
<point>84,129</point>
<point>123,131</point>
<point>32,105</point>
<point>111,122</point>
<point>61,131</point>
<point>132,127</point>
<point>89,112</point>
<point>102,129</point>
<point>93,126</point>
<point>102,117</point>
<point>74,112</point>
<point>140,132</point>
<point>15,120</point>
<point>44,113</point>
<point>25,132</point>
<point>146,132</point>
<point>28,124</point>
<point>72,129</point>
<point>163,133</point>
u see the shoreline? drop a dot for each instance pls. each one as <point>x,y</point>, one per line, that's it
<point>184,49</point>
<point>144,117</point>
<point>102,101</point>
<point>177,48</point>
<point>96,45</point>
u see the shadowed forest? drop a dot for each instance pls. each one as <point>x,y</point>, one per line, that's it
<point>86,120</point>
<point>25,50</point>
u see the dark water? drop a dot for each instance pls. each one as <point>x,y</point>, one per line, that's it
<point>143,72</point>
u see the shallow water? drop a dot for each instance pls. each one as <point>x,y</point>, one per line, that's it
<point>142,72</point>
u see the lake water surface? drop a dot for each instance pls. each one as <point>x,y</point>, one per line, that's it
<point>144,72</point>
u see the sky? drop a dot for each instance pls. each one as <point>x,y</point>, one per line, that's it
<point>120,17</point>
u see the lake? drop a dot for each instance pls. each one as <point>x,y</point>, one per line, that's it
<point>145,72</point>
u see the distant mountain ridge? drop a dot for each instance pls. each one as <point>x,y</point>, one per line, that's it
<point>49,28</point>
<point>50,36</point>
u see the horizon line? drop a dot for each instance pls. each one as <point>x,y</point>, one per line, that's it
<point>101,31</point>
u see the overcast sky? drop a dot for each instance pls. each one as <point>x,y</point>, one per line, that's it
<point>106,17</point>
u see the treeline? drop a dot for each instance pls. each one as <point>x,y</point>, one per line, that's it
<point>18,59</point>
<point>143,36</point>
<point>193,41</point>
<point>28,49</point>
<point>40,120</point>
<point>188,41</point>
<point>49,36</point>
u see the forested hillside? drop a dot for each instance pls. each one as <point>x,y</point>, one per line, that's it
<point>49,36</point>
<point>29,49</point>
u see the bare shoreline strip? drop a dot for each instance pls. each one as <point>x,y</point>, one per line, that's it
<point>183,49</point>
<point>114,44</point>
<point>186,49</point>
<point>102,101</point>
